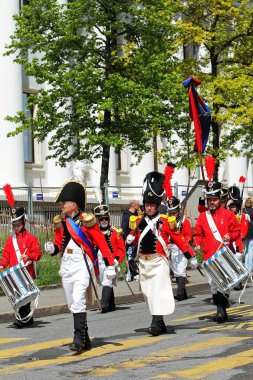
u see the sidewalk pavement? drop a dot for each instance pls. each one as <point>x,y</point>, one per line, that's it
<point>52,299</point>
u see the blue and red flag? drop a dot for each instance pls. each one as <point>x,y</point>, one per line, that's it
<point>199,113</point>
<point>81,239</point>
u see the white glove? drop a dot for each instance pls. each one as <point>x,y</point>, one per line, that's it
<point>110,272</point>
<point>49,247</point>
<point>130,239</point>
<point>116,264</point>
<point>194,262</point>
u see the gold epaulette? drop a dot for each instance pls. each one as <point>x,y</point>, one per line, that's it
<point>119,231</point>
<point>172,222</point>
<point>238,217</point>
<point>164,216</point>
<point>58,221</point>
<point>88,220</point>
<point>133,221</point>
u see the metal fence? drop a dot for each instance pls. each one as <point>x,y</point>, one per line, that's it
<point>41,208</point>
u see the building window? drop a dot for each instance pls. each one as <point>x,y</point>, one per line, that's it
<point>28,140</point>
<point>118,159</point>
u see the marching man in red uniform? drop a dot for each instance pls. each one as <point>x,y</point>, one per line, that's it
<point>76,234</point>
<point>214,228</point>
<point>115,242</point>
<point>21,247</point>
<point>178,260</point>
<point>153,234</point>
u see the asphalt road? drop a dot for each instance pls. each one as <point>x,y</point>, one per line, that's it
<point>194,347</point>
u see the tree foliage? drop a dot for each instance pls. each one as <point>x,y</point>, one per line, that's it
<point>224,30</point>
<point>109,75</point>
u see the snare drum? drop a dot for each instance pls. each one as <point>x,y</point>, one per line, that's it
<point>225,269</point>
<point>18,286</point>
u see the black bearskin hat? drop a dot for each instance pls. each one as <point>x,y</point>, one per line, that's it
<point>153,188</point>
<point>17,215</point>
<point>213,189</point>
<point>173,204</point>
<point>234,193</point>
<point>234,203</point>
<point>224,193</point>
<point>73,191</point>
<point>101,211</point>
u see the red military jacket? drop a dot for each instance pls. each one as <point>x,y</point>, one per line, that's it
<point>28,244</point>
<point>168,232</point>
<point>117,244</point>
<point>94,235</point>
<point>244,225</point>
<point>186,230</point>
<point>225,222</point>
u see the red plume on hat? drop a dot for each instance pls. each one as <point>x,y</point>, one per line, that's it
<point>168,172</point>
<point>9,195</point>
<point>210,166</point>
<point>242,179</point>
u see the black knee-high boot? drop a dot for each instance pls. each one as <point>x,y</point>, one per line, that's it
<point>24,311</point>
<point>111,306</point>
<point>157,326</point>
<point>105,300</point>
<point>222,304</point>
<point>81,341</point>
<point>181,291</point>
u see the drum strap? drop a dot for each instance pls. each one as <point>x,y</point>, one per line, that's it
<point>213,226</point>
<point>17,250</point>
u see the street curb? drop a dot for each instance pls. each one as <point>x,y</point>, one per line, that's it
<point>120,300</point>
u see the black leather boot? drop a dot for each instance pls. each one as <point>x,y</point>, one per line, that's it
<point>105,300</point>
<point>81,341</point>
<point>111,306</point>
<point>181,291</point>
<point>215,299</point>
<point>24,311</point>
<point>222,304</point>
<point>157,326</point>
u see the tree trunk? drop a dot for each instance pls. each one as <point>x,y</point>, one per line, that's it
<point>105,156</point>
<point>215,124</point>
<point>104,170</point>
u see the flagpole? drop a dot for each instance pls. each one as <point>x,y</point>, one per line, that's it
<point>202,168</point>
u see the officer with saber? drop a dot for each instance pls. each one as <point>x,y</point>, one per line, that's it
<point>75,234</point>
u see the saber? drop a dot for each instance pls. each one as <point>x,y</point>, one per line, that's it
<point>129,287</point>
<point>91,278</point>
<point>47,233</point>
<point>200,271</point>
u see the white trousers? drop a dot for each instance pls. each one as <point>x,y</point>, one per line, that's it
<point>103,279</point>
<point>156,285</point>
<point>75,280</point>
<point>178,262</point>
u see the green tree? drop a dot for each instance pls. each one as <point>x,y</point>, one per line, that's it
<point>108,71</point>
<point>223,30</point>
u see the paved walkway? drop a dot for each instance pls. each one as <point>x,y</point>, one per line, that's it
<point>52,300</point>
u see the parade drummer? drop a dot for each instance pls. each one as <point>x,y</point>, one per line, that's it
<point>178,260</point>
<point>21,247</point>
<point>214,228</point>
<point>76,234</point>
<point>114,238</point>
<point>153,234</point>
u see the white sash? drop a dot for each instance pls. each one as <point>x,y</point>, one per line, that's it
<point>151,226</point>
<point>16,249</point>
<point>213,227</point>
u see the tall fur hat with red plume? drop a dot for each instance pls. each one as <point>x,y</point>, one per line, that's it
<point>168,173</point>
<point>17,213</point>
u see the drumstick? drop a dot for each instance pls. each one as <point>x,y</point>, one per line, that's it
<point>221,244</point>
